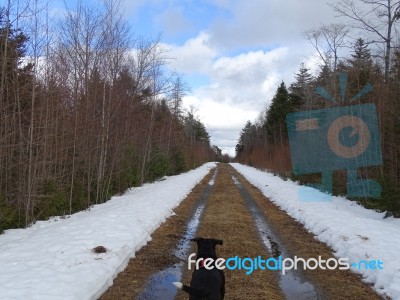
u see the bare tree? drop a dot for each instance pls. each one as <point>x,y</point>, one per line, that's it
<point>77,53</point>
<point>4,50</point>
<point>377,17</point>
<point>115,43</point>
<point>328,40</point>
<point>178,92</point>
<point>83,110</point>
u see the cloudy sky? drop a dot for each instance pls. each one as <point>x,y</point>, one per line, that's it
<point>232,53</point>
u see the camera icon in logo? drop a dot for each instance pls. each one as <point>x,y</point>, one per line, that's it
<point>336,138</point>
<point>358,127</point>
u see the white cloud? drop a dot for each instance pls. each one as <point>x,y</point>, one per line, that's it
<point>222,120</point>
<point>241,88</point>
<point>173,21</point>
<point>249,79</point>
<point>218,115</point>
<point>242,85</point>
<point>268,23</point>
<point>195,56</point>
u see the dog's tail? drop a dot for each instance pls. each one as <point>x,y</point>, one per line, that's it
<point>192,291</point>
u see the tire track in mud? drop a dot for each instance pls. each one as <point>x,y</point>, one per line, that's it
<point>158,254</point>
<point>159,286</point>
<point>329,284</point>
<point>293,283</point>
<point>226,217</point>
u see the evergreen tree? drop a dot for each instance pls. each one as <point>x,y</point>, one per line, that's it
<point>246,139</point>
<point>217,150</point>
<point>196,130</point>
<point>361,55</point>
<point>15,125</point>
<point>281,105</point>
<point>361,63</point>
<point>302,89</point>
<point>201,132</point>
<point>12,51</point>
<point>12,44</point>
<point>395,70</point>
<point>238,149</point>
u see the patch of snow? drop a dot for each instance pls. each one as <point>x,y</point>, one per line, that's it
<point>55,260</point>
<point>351,230</point>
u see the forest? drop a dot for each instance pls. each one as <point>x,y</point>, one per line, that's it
<point>87,110</point>
<point>365,46</point>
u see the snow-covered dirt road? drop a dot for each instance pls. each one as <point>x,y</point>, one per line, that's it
<point>55,259</point>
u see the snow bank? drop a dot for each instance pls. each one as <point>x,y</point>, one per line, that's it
<point>348,228</point>
<point>53,259</point>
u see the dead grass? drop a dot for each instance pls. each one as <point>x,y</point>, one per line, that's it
<point>157,254</point>
<point>99,249</point>
<point>334,284</point>
<point>227,218</point>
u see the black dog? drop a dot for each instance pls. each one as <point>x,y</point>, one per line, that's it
<point>205,284</point>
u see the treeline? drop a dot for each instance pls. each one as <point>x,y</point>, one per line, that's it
<point>86,111</point>
<point>264,142</point>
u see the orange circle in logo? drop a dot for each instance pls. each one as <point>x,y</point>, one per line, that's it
<point>359,127</point>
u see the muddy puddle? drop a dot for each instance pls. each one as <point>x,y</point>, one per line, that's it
<point>293,284</point>
<point>160,284</point>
